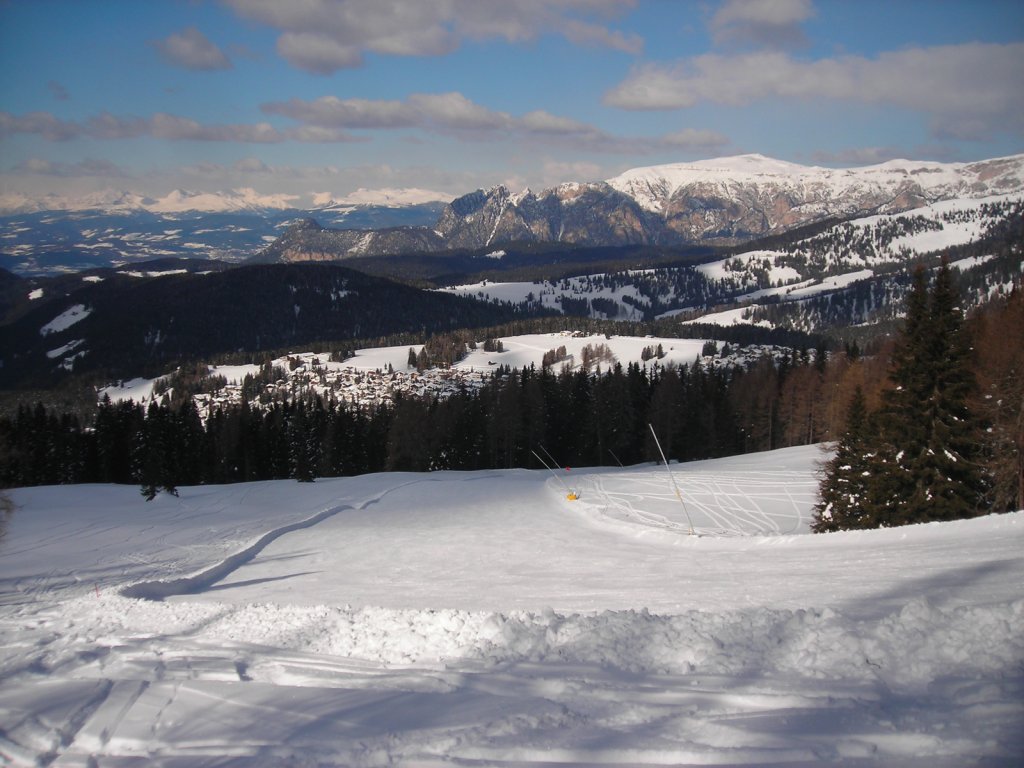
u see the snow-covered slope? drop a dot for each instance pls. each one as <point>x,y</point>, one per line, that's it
<point>835,257</point>
<point>654,187</point>
<point>482,618</point>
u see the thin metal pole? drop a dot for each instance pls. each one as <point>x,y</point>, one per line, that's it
<point>553,473</point>
<point>672,478</point>
<point>548,454</point>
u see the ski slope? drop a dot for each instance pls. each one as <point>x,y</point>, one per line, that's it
<point>459,618</point>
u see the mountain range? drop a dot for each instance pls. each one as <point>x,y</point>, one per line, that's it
<point>649,245</point>
<point>711,202</point>
<point>722,202</point>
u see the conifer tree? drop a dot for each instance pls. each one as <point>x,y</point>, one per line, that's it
<point>845,485</point>
<point>927,468</point>
<point>156,470</point>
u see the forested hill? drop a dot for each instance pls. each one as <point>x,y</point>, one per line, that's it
<point>122,325</point>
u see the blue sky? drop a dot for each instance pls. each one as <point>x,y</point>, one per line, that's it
<point>322,97</point>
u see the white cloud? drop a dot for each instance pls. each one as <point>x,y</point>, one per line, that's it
<point>317,53</point>
<point>163,126</point>
<point>439,111</point>
<point>252,165</point>
<point>323,36</point>
<point>84,168</point>
<point>43,124</point>
<point>554,172</point>
<point>344,182</point>
<point>348,113</point>
<point>191,49</point>
<point>970,90</point>
<point>541,121</point>
<point>453,113</point>
<point>770,23</point>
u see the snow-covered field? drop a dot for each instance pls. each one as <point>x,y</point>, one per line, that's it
<point>485,619</point>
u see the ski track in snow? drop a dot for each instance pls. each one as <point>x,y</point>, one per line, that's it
<point>762,645</point>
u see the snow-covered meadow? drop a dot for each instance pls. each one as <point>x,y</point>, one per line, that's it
<point>485,619</point>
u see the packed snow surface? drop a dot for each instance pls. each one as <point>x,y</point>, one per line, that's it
<point>485,619</point>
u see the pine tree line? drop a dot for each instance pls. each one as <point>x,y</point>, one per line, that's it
<point>584,418</point>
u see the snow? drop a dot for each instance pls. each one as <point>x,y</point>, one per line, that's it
<point>828,284</point>
<point>524,351</point>
<point>385,196</point>
<point>549,294</point>
<point>69,347</point>
<point>481,618</point>
<point>519,352</point>
<point>738,316</point>
<point>153,273</point>
<point>651,186</point>
<point>65,319</point>
<point>241,199</point>
<point>140,390</point>
<point>718,270</point>
<point>970,262</point>
<point>36,293</point>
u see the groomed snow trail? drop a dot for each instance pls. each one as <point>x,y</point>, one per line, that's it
<point>483,619</point>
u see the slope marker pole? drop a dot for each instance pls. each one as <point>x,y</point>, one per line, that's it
<point>672,478</point>
<point>548,454</point>
<point>570,494</point>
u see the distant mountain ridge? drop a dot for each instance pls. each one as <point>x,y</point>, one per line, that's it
<point>723,201</point>
<point>238,200</point>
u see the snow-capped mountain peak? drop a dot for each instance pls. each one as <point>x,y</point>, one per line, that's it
<point>241,199</point>
<point>654,186</point>
<point>385,197</point>
<point>175,201</point>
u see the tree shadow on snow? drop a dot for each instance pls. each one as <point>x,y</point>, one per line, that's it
<point>941,587</point>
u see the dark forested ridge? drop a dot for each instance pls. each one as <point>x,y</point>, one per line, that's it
<point>132,325</point>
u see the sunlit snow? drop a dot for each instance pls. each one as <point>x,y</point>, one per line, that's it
<point>459,618</point>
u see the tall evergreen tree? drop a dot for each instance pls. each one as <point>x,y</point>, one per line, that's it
<point>927,467</point>
<point>845,485</point>
<point>156,468</point>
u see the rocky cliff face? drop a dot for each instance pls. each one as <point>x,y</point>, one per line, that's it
<point>722,201</point>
